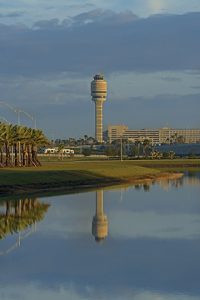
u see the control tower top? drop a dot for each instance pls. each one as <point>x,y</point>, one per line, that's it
<point>98,88</point>
<point>98,77</point>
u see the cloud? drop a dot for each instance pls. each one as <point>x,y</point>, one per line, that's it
<point>152,44</point>
<point>156,6</point>
<point>15,14</point>
<point>47,69</point>
<point>62,293</point>
<point>96,16</point>
<point>196,87</point>
<point>171,79</point>
<point>35,10</point>
<point>105,17</point>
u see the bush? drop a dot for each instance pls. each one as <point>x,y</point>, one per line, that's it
<point>86,151</point>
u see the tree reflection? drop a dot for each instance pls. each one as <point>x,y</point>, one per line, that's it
<point>168,183</point>
<point>18,215</point>
<point>146,187</point>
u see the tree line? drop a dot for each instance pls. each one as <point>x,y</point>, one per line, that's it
<point>19,144</point>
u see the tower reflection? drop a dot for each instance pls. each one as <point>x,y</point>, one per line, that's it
<point>100,221</point>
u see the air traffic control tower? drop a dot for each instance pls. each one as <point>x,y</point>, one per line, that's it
<point>99,93</point>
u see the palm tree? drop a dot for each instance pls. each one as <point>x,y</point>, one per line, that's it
<point>23,137</point>
<point>8,136</point>
<point>137,150</point>
<point>2,127</point>
<point>17,136</point>
<point>60,151</point>
<point>38,139</point>
<point>22,142</point>
<point>146,144</point>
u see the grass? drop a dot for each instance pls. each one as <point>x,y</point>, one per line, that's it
<point>71,173</point>
<point>171,165</point>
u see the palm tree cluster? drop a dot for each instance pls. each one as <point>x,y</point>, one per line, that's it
<point>19,144</point>
<point>72,142</point>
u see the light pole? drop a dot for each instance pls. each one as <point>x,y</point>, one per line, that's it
<point>18,110</point>
<point>121,149</point>
<point>9,106</point>
<point>13,109</point>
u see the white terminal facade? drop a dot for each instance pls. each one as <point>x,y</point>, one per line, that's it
<point>155,136</point>
<point>99,94</point>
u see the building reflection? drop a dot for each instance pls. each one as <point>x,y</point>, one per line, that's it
<point>100,220</point>
<point>20,217</point>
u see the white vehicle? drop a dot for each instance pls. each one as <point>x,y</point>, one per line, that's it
<point>56,151</point>
<point>67,151</point>
<point>51,150</point>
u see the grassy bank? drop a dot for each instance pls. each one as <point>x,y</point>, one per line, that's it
<point>55,176</point>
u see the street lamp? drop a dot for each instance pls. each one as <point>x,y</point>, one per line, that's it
<point>8,105</point>
<point>121,149</point>
<point>18,111</point>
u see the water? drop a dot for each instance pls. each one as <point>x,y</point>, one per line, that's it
<point>143,243</point>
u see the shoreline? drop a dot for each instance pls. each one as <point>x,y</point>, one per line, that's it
<point>72,187</point>
<point>75,176</point>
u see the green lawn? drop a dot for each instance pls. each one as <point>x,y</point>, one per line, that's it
<point>73,171</point>
<point>78,173</point>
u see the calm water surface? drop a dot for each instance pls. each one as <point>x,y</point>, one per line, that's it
<point>140,242</point>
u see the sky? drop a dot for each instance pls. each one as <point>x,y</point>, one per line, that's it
<point>148,51</point>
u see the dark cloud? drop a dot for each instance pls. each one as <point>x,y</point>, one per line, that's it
<point>157,43</point>
<point>47,24</point>
<point>171,79</point>
<point>12,15</point>
<point>196,87</point>
<point>46,70</point>
<point>106,17</point>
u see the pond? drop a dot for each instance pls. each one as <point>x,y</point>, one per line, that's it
<point>138,242</point>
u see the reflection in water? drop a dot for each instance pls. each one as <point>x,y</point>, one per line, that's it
<point>100,221</point>
<point>167,184</point>
<point>19,215</point>
<point>153,252</point>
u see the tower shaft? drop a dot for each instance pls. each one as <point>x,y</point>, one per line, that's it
<point>99,121</point>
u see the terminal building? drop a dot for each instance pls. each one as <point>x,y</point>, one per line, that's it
<point>155,136</point>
